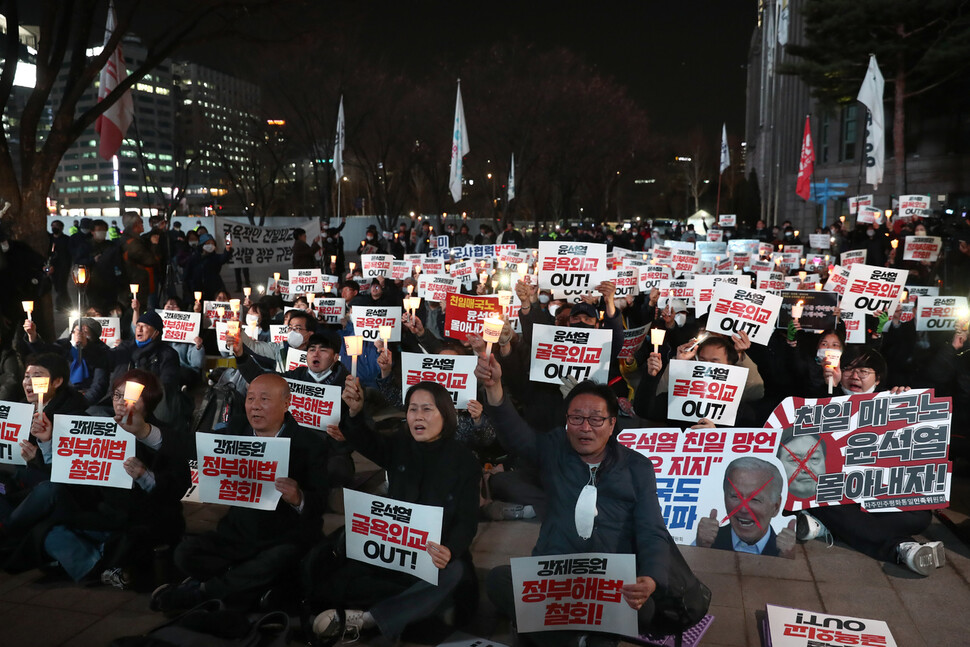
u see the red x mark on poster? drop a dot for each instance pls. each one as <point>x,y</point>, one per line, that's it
<point>744,501</point>
<point>801,462</point>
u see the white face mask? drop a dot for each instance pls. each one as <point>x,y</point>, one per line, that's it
<point>680,319</point>
<point>252,320</point>
<point>585,513</point>
<point>553,308</point>
<point>100,236</point>
<point>209,248</point>
<point>294,339</point>
<point>543,298</point>
<point>870,233</point>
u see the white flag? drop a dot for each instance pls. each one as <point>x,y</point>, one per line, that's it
<point>512,178</point>
<point>338,146</point>
<point>871,95</point>
<point>459,148</point>
<point>782,22</point>
<point>113,123</point>
<point>725,153</point>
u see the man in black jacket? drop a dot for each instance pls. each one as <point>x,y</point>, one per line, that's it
<point>252,549</point>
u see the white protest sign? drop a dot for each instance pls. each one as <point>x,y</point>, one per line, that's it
<point>838,279</point>
<point>180,327</point>
<point>715,235</point>
<point>940,313</point>
<point>704,289</point>
<point>855,326</point>
<point>211,310</point>
<point>868,215</point>
<point>626,282</point>
<point>704,390</point>
<point>819,241</point>
<point>677,289</point>
<point>871,288</point>
<point>241,470</point>
<point>559,352</point>
<point>684,261</point>
<point>314,405</point>
<point>437,288</point>
<point>192,494</point>
<point>859,201</point>
<point>401,270</point>
<point>278,333</point>
<point>571,269</point>
<point>771,281</point>
<point>454,372</point>
<point>650,276</point>
<point>331,310</point>
<point>736,309</point>
<point>913,206</point>
<point>303,281</point>
<point>295,358</point>
<point>15,419</point>
<point>369,319</point>
<point>110,330</point>
<point>433,266</point>
<point>922,291</point>
<point>789,627</point>
<point>392,534</point>
<point>90,450</point>
<point>922,248</point>
<point>575,592</point>
<point>632,341</point>
<point>727,220</point>
<point>376,265</point>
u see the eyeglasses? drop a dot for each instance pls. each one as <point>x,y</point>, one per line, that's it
<point>594,421</point>
<point>117,396</point>
<point>296,329</point>
<point>859,372</point>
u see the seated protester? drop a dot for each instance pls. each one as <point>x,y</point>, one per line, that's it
<point>108,532</point>
<point>622,515</point>
<point>651,398</point>
<point>806,357</point>
<point>886,536</point>
<point>85,352</point>
<point>301,326</point>
<point>367,368</point>
<point>323,367</point>
<point>11,373</point>
<point>251,550</point>
<point>191,355</point>
<point>61,398</point>
<point>147,352</point>
<point>258,320</point>
<point>425,464</point>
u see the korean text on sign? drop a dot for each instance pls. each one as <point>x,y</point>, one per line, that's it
<point>314,405</point>
<point>580,353</point>
<point>90,450</point>
<point>574,592</point>
<point>735,309</point>
<point>392,534</point>
<point>465,314</point>
<point>698,390</point>
<point>789,627</point>
<point>241,470</point>
<point>369,319</point>
<point>15,419</point>
<point>181,327</point>
<point>454,372</point>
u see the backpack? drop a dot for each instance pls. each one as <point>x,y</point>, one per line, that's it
<point>210,624</point>
<point>684,601</point>
<point>222,403</point>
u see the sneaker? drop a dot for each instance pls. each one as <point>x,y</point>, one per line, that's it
<point>921,558</point>
<point>171,598</point>
<point>808,528</point>
<point>116,577</point>
<point>499,511</point>
<point>333,623</point>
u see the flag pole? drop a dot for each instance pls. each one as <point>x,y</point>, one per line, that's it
<point>717,209</point>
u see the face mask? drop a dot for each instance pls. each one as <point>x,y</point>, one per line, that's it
<point>209,248</point>
<point>585,513</point>
<point>5,246</point>
<point>870,233</point>
<point>142,344</point>
<point>370,237</point>
<point>85,231</point>
<point>252,320</point>
<point>788,234</point>
<point>294,339</point>
<point>193,243</point>
<point>100,236</point>
<point>553,309</point>
<point>584,326</point>
<point>680,319</point>
<point>543,298</point>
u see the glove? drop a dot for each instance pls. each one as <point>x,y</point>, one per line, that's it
<point>792,331</point>
<point>881,323</point>
<point>568,384</point>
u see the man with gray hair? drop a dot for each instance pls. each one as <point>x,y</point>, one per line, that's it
<point>752,497</point>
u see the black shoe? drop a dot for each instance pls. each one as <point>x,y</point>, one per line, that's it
<point>173,598</point>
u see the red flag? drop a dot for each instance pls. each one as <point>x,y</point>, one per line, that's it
<point>806,165</point>
<point>113,124</point>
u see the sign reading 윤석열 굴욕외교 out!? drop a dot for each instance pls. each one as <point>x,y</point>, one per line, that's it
<point>735,309</point>
<point>392,534</point>
<point>940,313</point>
<point>90,450</point>
<point>454,372</point>
<point>871,289</point>
<point>732,471</point>
<point>580,353</point>
<point>241,470</point>
<point>314,405</point>
<point>571,269</point>
<point>180,327</point>
<point>698,390</point>
<point>581,591</point>
<point>883,451</point>
<point>15,419</point>
<point>369,319</point>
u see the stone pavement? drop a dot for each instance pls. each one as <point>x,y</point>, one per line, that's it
<point>921,612</point>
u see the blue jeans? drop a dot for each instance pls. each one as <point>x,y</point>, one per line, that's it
<point>77,551</point>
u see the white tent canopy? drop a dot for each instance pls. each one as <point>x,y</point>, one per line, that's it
<point>702,221</point>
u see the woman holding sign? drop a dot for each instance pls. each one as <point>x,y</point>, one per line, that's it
<point>426,465</point>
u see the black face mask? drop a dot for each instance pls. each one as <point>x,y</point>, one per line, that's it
<point>585,326</point>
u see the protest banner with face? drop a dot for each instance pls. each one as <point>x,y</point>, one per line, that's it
<point>392,534</point>
<point>574,592</point>
<point>941,313</point>
<point>374,266</point>
<point>698,390</point>
<point>368,320</point>
<point>180,327</point>
<point>241,470</point>
<point>787,627</point>
<point>454,372</point>
<point>90,450</point>
<point>735,309</point>
<point>304,281</point>
<point>314,405</point>
<point>110,330</point>
<point>464,314</point>
<point>922,248</point>
<point>872,289</point>
<point>581,353</point>
<point>883,451</point>
<point>15,420</point>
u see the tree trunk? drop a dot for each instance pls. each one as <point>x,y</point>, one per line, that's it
<point>30,227</point>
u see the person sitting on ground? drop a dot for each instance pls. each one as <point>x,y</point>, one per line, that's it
<point>147,351</point>
<point>252,550</point>
<point>87,355</point>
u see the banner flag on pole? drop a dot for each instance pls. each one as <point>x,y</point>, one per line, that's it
<point>725,153</point>
<point>806,165</point>
<point>783,22</point>
<point>512,178</point>
<point>459,148</point>
<point>870,94</point>
<point>338,146</point>
<point>113,123</point>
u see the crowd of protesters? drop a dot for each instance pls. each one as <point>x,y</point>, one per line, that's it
<point>521,449</point>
